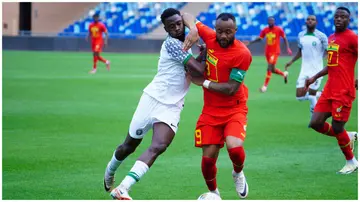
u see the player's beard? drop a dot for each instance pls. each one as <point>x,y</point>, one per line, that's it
<point>231,41</point>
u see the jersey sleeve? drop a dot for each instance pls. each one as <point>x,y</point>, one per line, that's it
<point>204,31</point>
<point>262,33</point>
<point>242,64</point>
<point>175,51</point>
<point>324,41</point>
<point>355,44</point>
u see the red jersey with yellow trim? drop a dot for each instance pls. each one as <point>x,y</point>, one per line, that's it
<point>272,39</point>
<point>96,32</point>
<point>342,57</point>
<point>219,63</point>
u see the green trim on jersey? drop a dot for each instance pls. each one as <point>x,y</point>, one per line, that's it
<point>187,59</point>
<point>309,34</point>
<point>237,75</point>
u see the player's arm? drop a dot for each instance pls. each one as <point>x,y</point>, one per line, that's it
<point>254,41</point>
<point>175,51</point>
<point>229,88</point>
<point>296,57</point>
<point>106,35</point>
<point>311,80</point>
<point>197,30</point>
<point>282,34</point>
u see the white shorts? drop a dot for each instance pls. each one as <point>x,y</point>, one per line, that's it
<point>301,81</point>
<point>150,111</point>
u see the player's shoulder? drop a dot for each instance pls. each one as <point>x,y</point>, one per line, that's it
<point>279,28</point>
<point>302,33</point>
<point>241,49</point>
<point>320,34</point>
<point>171,44</point>
<point>351,33</point>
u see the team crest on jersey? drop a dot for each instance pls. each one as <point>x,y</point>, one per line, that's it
<point>212,59</point>
<point>333,47</point>
<point>314,43</point>
<point>338,109</point>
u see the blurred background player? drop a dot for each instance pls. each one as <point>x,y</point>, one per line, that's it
<point>272,49</point>
<point>96,30</point>
<point>339,91</point>
<point>159,107</point>
<point>312,45</point>
<point>224,115</point>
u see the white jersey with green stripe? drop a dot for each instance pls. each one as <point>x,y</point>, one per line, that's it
<point>312,45</point>
<point>170,84</point>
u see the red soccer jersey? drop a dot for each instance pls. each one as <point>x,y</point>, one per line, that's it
<point>219,63</point>
<point>272,39</point>
<point>96,32</point>
<point>342,57</point>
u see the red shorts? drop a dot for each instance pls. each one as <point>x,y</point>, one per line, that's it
<point>339,108</point>
<point>213,130</point>
<point>271,58</point>
<point>96,46</point>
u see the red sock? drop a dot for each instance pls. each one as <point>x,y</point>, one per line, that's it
<point>208,167</point>
<point>95,59</point>
<point>102,59</point>
<point>279,72</point>
<point>237,156</point>
<point>267,78</point>
<point>326,130</point>
<point>344,143</point>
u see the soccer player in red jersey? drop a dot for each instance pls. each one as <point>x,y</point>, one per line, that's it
<point>339,91</point>
<point>272,49</point>
<point>96,30</point>
<point>224,115</point>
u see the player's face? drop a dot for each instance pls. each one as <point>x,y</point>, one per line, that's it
<point>174,25</point>
<point>341,20</point>
<point>271,22</point>
<point>96,19</point>
<point>225,32</point>
<point>311,22</point>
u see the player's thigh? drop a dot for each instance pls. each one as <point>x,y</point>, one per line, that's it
<point>271,59</point>
<point>206,134</point>
<point>211,151</point>
<point>300,85</point>
<point>235,131</point>
<point>322,111</point>
<point>141,121</point>
<point>162,134</point>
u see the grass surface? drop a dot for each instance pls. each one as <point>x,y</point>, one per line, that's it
<point>61,126</point>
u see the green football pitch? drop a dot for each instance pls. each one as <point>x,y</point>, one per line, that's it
<point>61,126</point>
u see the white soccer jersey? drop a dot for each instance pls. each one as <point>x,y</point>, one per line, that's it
<point>170,84</point>
<point>312,47</point>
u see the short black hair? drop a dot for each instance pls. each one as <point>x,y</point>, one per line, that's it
<point>168,13</point>
<point>344,9</point>
<point>271,17</point>
<point>96,15</point>
<point>226,16</point>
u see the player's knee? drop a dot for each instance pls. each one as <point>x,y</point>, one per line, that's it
<point>299,98</point>
<point>126,148</point>
<point>315,124</point>
<point>337,129</point>
<point>158,149</point>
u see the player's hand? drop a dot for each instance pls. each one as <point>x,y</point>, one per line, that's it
<point>287,65</point>
<point>289,51</point>
<point>308,82</point>
<point>201,47</point>
<point>105,43</point>
<point>198,80</point>
<point>246,43</point>
<point>356,84</point>
<point>191,39</point>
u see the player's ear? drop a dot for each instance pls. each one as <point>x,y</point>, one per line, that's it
<point>236,29</point>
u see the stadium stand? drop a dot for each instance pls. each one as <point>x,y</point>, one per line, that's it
<point>133,19</point>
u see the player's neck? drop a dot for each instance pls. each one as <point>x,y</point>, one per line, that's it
<point>311,30</point>
<point>340,30</point>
